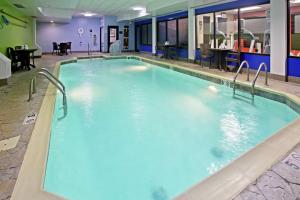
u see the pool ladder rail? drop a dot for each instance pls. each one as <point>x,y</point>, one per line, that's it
<point>238,72</point>
<point>248,78</point>
<point>256,76</point>
<point>57,83</point>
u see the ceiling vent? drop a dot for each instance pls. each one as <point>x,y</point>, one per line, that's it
<point>18,5</point>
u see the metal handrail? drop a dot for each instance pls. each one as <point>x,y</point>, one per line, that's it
<point>257,74</point>
<point>32,88</point>
<point>238,72</point>
<point>52,76</point>
<point>57,83</point>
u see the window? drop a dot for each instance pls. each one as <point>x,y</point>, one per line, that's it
<point>294,28</point>
<point>205,30</point>
<point>255,29</point>
<point>183,32</point>
<point>172,32</point>
<point>146,34</point>
<point>162,33</point>
<point>227,30</point>
<point>149,34</point>
<point>221,29</point>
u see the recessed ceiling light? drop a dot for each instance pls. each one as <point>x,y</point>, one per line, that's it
<point>138,8</point>
<point>88,14</point>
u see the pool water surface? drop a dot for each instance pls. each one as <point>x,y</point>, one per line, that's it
<point>136,131</point>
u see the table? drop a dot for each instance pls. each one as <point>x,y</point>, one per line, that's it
<point>63,48</point>
<point>24,54</point>
<point>220,57</point>
<point>166,49</point>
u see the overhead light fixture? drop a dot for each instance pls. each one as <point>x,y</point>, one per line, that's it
<point>138,8</point>
<point>250,8</point>
<point>40,9</point>
<point>88,14</point>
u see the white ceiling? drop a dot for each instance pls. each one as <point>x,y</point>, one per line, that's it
<point>63,10</point>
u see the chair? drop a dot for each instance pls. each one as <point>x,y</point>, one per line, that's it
<point>69,45</point>
<point>267,49</point>
<point>55,48</point>
<point>173,54</point>
<point>233,60</point>
<point>18,47</point>
<point>205,54</point>
<point>63,48</point>
<point>15,60</point>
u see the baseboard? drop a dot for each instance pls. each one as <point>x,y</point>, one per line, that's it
<point>277,77</point>
<point>294,79</point>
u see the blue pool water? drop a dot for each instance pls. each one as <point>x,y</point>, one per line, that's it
<point>135,131</point>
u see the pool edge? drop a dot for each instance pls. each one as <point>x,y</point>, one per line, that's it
<point>225,184</point>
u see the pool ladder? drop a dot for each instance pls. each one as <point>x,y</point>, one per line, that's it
<point>57,83</point>
<point>248,79</point>
<point>238,72</point>
<point>256,76</point>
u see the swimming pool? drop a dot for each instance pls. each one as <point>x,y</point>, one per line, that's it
<point>138,131</point>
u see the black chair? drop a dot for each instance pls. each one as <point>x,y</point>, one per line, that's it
<point>233,60</point>
<point>69,45</point>
<point>205,54</point>
<point>63,48</point>
<point>55,48</point>
<point>18,47</point>
<point>15,59</point>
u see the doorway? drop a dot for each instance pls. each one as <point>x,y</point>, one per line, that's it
<point>113,35</point>
<point>101,39</point>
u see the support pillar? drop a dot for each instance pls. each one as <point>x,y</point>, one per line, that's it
<point>191,28</point>
<point>154,34</point>
<point>278,38</point>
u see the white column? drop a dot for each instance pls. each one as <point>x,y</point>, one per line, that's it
<point>278,37</point>
<point>154,35</point>
<point>191,20</point>
<point>34,39</point>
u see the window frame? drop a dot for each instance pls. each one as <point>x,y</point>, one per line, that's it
<point>149,42</point>
<point>166,31</point>
<point>239,28</point>
<point>289,39</point>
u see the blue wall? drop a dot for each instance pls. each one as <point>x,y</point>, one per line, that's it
<point>255,60</point>
<point>112,21</point>
<point>294,67</point>
<point>173,16</point>
<point>146,48</point>
<point>47,33</point>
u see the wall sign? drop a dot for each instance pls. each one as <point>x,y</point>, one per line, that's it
<point>30,119</point>
<point>80,31</point>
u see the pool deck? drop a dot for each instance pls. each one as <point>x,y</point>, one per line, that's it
<point>282,181</point>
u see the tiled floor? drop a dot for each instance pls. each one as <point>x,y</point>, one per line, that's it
<point>14,107</point>
<point>281,182</point>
